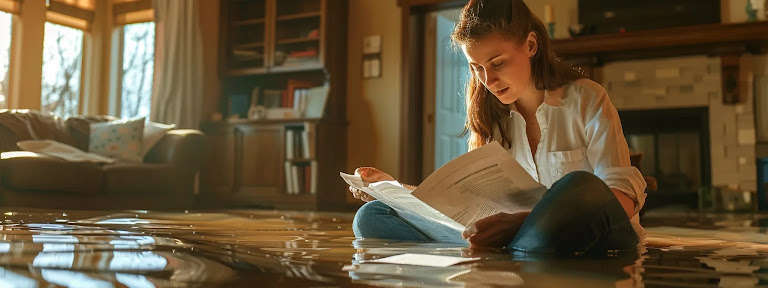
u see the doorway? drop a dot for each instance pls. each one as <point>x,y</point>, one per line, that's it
<point>446,73</point>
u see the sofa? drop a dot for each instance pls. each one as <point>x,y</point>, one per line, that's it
<point>166,179</point>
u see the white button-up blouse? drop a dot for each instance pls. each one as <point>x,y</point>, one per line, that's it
<point>580,130</point>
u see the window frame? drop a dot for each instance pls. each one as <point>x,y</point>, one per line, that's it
<point>7,79</point>
<point>116,69</point>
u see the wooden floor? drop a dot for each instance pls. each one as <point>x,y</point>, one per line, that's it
<point>242,248</point>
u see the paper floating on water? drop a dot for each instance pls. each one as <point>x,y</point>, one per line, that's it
<point>422,260</point>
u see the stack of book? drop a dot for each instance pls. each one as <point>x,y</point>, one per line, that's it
<point>305,99</point>
<point>300,166</point>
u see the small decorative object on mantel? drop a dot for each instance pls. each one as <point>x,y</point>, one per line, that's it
<point>576,30</point>
<point>549,19</point>
<point>751,9</point>
<point>756,10</point>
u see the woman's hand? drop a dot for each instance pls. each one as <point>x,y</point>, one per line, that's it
<point>494,231</point>
<point>370,175</point>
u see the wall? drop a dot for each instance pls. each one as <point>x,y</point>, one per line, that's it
<point>566,13</point>
<point>373,105</point>
<point>209,25</point>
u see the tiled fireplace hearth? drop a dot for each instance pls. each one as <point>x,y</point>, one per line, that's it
<point>674,112</point>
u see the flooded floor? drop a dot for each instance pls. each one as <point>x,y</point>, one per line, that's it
<point>249,248</point>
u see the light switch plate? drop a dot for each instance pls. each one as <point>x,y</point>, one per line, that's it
<point>372,44</point>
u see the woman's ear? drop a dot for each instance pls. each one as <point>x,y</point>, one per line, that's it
<point>532,44</point>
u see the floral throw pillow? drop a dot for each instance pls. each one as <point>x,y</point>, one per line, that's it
<point>119,139</point>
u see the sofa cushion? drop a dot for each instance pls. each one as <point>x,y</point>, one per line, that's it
<point>153,132</point>
<point>19,125</point>
<point>80,128</point>
<point>119,139</point>
<point>141,179</point>
<point>36,172</point>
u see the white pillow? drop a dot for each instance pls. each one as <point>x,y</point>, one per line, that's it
<point>119,139</point>
<point>153,132</point>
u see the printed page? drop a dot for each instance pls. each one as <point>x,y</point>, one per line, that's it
<point>478,184</point>
<point>428,220</point>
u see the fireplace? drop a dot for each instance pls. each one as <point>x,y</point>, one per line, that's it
<point>675,149</point>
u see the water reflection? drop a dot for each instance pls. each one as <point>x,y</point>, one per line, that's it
<point>293,249</point>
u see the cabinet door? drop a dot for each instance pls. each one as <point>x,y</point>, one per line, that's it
<point>297,34</point>
<point>217,175</point>
<point>260,157</point>
<point>246,35</point>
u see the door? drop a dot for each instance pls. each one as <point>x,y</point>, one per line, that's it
<point>448,82</point>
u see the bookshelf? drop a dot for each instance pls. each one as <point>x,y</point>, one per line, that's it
<point>273,55</point>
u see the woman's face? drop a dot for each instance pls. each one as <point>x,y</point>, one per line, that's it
<point>502,65</point>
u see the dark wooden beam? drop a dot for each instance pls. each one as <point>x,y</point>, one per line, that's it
<point>676,41</point>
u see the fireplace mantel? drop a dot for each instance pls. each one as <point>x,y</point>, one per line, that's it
<point>712,39</point>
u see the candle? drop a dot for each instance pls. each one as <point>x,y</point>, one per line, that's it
<point>549,13</point>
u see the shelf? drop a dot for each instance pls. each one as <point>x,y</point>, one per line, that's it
<point>300,160</point>
<point>297,68</point>
<point>246,71</point>
<point>248,22</point>
<point>286,121</point>
<point>249,45</point>
<point>299,16</point>
<point>297,40</point>
<point>712,39</point>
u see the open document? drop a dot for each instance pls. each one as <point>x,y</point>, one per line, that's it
<point>478,184</point>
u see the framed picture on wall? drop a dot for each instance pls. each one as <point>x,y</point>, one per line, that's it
<point>238,105</point>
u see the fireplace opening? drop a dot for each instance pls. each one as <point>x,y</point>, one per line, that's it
<point>674,144</point>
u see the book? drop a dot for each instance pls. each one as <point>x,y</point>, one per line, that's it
<point>295,179</point>
<point>288,178</point>
<point>289,150</point>
<point>316,100</point>
<point>313,178</point>
<point>306,153</point>
<point>292,87</point>
<point>478,184</point>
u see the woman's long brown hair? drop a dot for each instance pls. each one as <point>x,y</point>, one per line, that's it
<point>513,19</point>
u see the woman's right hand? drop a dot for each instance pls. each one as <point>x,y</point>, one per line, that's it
<point>370,175</point>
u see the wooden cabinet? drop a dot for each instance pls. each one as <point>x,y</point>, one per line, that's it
<point>248,160</point>
<point>269,48</point>
<point>260,36</point>
<point>257,174</point>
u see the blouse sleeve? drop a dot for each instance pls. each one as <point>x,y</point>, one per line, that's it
<point>607,149</point>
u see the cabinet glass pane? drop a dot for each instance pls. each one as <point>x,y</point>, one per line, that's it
<point>247,36</point>
<point>297,32</point>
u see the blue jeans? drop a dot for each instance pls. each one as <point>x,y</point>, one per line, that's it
<point>578,214</point>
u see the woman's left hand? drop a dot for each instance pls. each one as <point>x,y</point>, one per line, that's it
<point>494,231</point>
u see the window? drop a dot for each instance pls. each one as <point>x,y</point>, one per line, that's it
<point>138,68</point>
<point>5,49</point>
<point>62,53</point>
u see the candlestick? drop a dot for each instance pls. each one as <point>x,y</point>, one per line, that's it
<point>549,13</point>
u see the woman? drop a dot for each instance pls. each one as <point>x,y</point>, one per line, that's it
<point>561,127</point>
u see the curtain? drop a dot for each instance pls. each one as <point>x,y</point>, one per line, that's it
<point>177,96</point>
